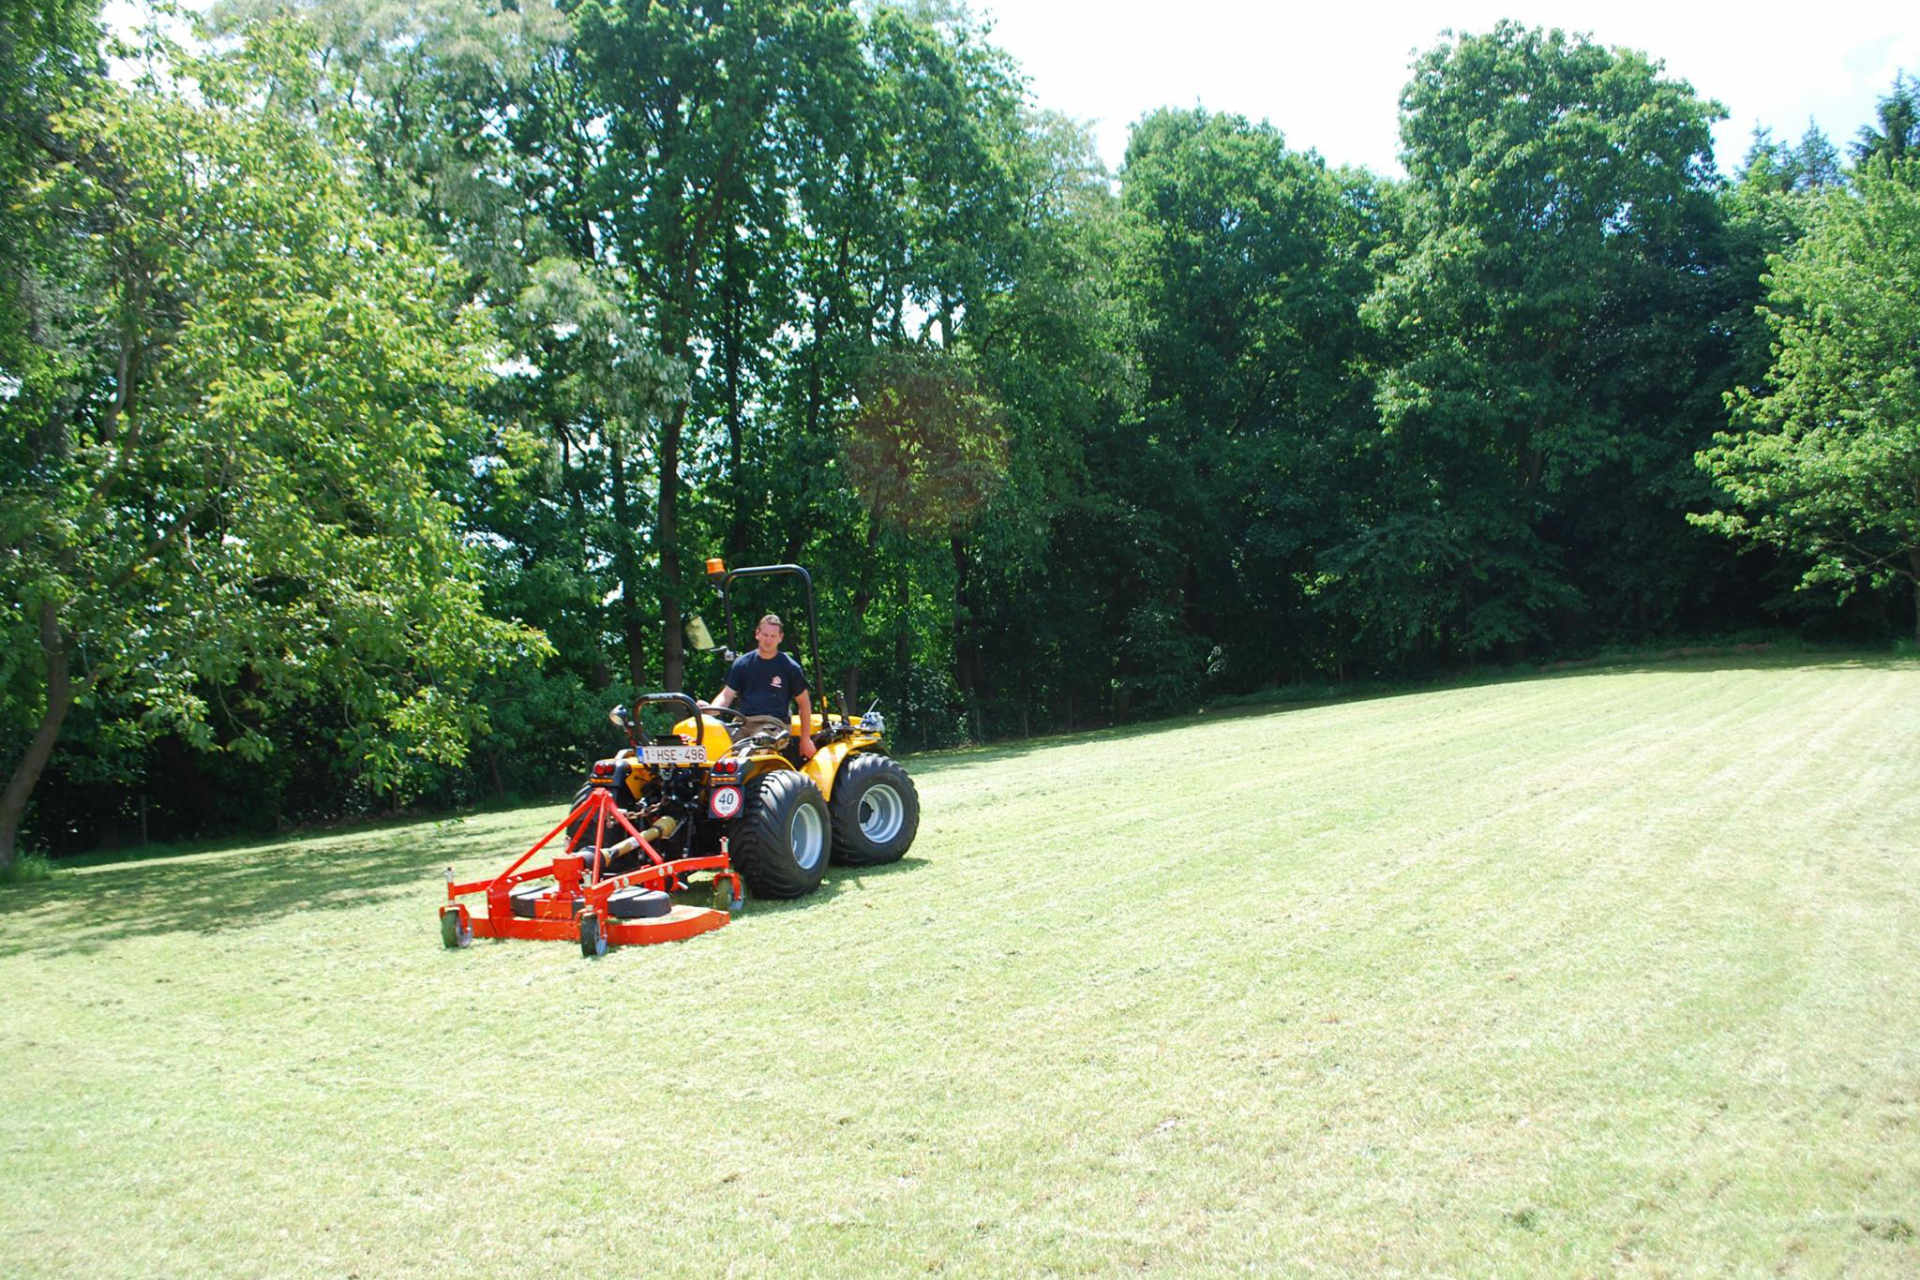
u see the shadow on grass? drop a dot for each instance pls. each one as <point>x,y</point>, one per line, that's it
<point>1308,697</point>
<point>213,893</point>
<point>211,889</point>
<point>839,881</point>
<point>245,886</point>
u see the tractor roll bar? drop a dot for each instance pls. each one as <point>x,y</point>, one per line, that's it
<point>813,630</point>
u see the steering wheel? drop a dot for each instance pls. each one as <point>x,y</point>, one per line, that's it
<point>725,715</point>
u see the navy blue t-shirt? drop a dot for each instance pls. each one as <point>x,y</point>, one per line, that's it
<point>763,686</point>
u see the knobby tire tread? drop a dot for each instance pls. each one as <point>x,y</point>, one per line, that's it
<point>851,848</point>
<point>760,844</point>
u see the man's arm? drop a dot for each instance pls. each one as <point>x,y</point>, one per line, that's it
<point>724,698</point>
<point>804,701</point>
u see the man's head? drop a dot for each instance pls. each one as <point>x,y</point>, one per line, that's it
<point>766,636</point>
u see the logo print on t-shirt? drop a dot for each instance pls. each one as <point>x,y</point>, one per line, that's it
<point>776,682</point>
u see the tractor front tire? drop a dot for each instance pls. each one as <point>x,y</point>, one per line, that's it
<point>876,812</point>
<point>781,842</point>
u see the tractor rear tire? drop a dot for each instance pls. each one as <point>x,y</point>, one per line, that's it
<point>876,812</point>
<point>584,829</point>
<point>783,838</point>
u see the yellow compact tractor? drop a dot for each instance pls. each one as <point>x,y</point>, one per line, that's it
<point>715,794</point>
<point>717,780</point>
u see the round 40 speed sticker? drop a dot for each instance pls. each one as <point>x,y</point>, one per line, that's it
<point>726,802</point>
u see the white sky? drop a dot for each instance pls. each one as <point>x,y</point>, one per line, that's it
<point>1329,77</point>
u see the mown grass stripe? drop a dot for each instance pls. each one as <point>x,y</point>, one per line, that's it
<point>1605,971</point>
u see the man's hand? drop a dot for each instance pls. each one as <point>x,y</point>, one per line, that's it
<point>805,703</point>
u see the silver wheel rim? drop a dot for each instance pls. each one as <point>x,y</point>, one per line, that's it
<point>807,834</point>
<point>882,813</point>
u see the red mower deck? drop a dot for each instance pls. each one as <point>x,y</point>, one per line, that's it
<point>577,907</point>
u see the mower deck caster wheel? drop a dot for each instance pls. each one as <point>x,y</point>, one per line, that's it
<point>454,931</point>
<point>593,943</point>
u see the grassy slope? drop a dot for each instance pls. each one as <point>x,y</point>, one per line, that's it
<point>1609,971</point>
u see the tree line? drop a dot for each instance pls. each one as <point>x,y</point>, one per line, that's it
<point>375,380</point>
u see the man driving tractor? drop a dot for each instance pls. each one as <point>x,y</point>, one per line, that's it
<point>766,680</point>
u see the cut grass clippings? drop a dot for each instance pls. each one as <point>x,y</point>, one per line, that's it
<point>1605,971</point>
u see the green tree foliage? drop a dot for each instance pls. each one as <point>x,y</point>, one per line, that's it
<point>705,108</point>
<point>1827,466</point>
<point>48,53</point>
<point>516,309</point>
<point>1895,134</point>
<point>926,449</point>
<point>1808,166</point>
<point>219,508</point>
<point>766,237</point>
<point>927,219</point>
<point>1552,307</point>
<point>1057,349</point>
<point>1248,270</point>
<point>480,124</point>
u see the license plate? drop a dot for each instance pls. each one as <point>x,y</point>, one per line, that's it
<point>673,755</point>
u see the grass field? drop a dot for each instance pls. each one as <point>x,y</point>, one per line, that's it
<point>1605,972</point>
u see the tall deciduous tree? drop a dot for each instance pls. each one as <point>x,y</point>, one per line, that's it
<point>224,491</point>
<point>1249,268</point>
<point>48,53</point>
<point>1548,307</point>
<point>1056,349</point>
<point>703,105</point>
<point>1828,465</point>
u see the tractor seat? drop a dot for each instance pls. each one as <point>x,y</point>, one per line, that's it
<point>769,730</point>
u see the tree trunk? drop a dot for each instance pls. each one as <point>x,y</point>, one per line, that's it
<point>902,627</point>
<point>60,694</point>
<point>820,322</point>
<point>739,527</point>
<point>672,650</point>
<point>1913,558</point>
<point>576,496</point>
<point>862,597</point>
<point>966,653</point>
<point>627,566</point>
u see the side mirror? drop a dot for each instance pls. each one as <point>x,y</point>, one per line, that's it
<point>698,636</point>
<point>621,718</point>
